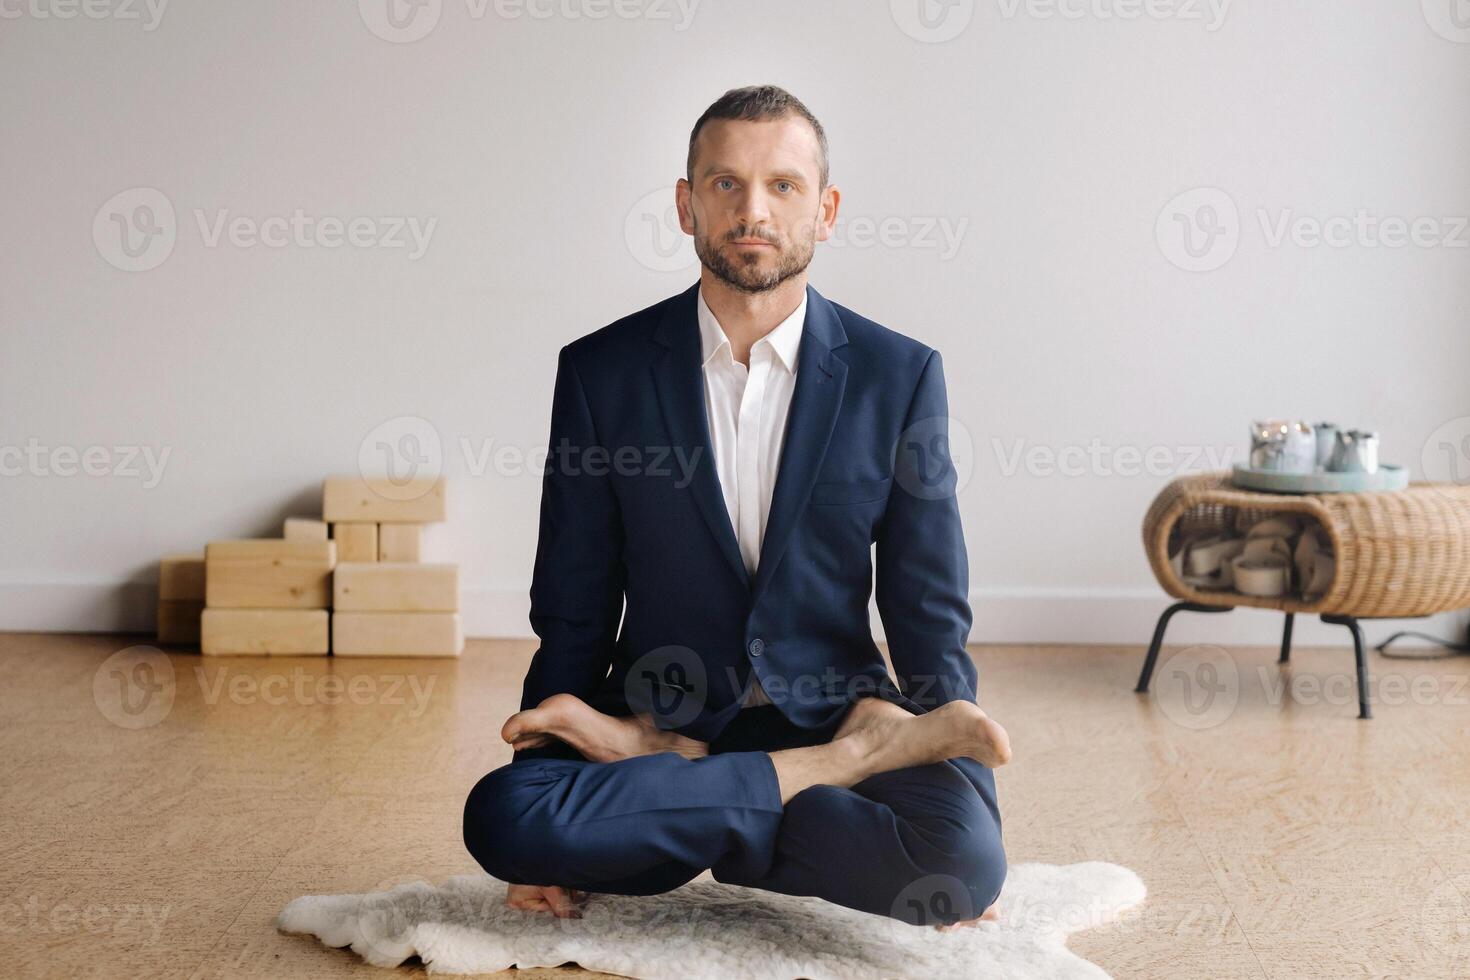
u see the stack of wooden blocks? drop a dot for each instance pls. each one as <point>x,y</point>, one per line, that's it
<point>351,583</point>
<point>267,595</point>
<point>180,598</point>
<point>386,602</point>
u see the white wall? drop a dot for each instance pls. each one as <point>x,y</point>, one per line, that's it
<point>1049,139</point>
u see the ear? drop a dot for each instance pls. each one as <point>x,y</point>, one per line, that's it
<point>684,200</point>
<point>827,212</point>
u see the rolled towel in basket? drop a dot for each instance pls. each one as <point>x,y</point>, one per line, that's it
<point>1266,574</point>
<point>1319,576</point>
<point>1280,526</point>
<point>1203,559</point>
<point>1255,547</point>
<point>1278,554</point>
<point>1207,556</point>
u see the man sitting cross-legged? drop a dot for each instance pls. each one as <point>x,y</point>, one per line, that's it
<point>732,474</point>
<point>931,853</point>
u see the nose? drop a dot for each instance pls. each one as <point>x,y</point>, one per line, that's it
<point>752,208</point>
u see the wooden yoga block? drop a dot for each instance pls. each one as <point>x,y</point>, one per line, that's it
<point>304,529</point>
<point>396,634</point>
<point>178,621</point>
<point>397,586</point>
<point>382,501</point>
<point>400,542</point>
<point>181,577</point>
<point>257,631</point>
<point>356,542</point>
<point>269,573</point>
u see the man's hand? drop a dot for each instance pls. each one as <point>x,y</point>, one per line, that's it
<point>564,903</point>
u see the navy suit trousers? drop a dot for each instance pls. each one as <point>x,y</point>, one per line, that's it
<point>922,845</point>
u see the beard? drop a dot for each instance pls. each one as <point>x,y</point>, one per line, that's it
<point>750,272</point>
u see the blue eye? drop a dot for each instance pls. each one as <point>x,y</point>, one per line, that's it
<point>784,184</point>
<point>724,180</point>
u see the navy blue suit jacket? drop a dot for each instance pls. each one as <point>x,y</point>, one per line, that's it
<point>632,510</point>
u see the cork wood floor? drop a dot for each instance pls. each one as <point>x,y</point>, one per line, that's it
<point>158,812</point>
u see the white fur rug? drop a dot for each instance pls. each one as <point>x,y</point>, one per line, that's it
<point>711,930</point>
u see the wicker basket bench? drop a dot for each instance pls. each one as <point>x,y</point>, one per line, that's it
<point>1399,554</point>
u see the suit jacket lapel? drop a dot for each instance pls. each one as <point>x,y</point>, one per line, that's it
<point>679,379</point>
<point>820,379</point>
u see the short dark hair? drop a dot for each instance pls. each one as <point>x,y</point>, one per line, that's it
<point>756,102</point>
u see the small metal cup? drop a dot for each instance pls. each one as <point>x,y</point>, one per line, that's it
<point>1283,445</point>
<point>1356,451</point>
<point>1326,442</point>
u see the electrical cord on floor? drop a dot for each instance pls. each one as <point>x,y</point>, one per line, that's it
<point>1452,648</point>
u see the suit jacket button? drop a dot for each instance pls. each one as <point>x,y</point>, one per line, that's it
<point>757,647</point>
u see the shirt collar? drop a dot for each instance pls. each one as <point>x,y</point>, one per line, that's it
<point>785,339</point>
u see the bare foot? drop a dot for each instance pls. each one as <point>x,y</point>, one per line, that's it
<point>564,903</point>
<point>864,711</point>
<point>599,737</point>
<point>952,730</point>
<point>991,914</point>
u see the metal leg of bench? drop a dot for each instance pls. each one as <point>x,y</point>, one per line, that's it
<point>1286,640</point>
<point>1158,640</point>
<point>1360,654</point>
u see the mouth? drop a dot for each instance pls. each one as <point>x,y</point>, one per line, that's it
<point>752,243</point>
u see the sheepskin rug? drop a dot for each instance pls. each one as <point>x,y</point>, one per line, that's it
<point>706,929</point>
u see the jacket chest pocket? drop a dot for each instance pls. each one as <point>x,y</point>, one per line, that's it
<point>850,492</point>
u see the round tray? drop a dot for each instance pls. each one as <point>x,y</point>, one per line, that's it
<point>1388,477</point>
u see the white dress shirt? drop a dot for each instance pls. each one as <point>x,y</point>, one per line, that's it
<point>747,410</point>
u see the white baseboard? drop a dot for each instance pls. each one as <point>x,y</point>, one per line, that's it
<point>78,607</point>
<point>1073,616</point>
